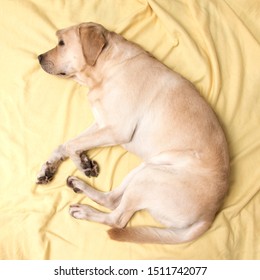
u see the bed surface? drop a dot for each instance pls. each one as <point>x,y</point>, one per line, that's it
<point>215,44</point>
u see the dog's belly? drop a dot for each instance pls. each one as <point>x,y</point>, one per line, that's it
<point>151,138</point>
<point>132,147</point>
<point>147,145</point>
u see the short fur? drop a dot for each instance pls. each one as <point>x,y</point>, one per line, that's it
<point>153,112</point>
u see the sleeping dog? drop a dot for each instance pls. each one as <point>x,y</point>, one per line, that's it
<point>154,113</point>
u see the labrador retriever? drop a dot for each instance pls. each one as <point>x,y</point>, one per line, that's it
<point>154,113</point>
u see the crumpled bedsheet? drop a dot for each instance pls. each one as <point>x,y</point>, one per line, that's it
<point>215,44</point>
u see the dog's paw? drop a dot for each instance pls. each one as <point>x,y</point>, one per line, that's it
<point>80,211</point>
<point>46,174</point>
<point>71,182</point>
<point>90,167</point>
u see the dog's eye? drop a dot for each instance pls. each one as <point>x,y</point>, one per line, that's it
<point>61,43</point>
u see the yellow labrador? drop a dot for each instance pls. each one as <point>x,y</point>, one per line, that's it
<point>153,112</point>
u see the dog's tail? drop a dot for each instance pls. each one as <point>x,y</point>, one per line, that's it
<point>159,235</point>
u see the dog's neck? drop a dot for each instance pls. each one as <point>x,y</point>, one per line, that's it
<point>91,76</point>
<point>86,77</point>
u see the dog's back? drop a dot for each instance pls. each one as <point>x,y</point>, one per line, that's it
<point>155,113</point>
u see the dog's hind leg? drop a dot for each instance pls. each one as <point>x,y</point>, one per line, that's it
<point>129,200</point>
<point>108,199</point>
<point>118,218</point>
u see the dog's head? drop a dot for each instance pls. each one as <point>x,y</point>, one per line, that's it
<point>77,47</point>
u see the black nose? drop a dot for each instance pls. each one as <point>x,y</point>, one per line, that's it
<point>40,57</point>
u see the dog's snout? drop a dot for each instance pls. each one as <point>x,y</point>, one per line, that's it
<point>46,64</point>
<point>40,57</point>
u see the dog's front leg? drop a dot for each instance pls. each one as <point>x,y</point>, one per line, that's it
<point>50,167</point>
<point>93,137</point>
<point>89,139</point>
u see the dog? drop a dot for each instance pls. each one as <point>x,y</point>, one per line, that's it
<point>153,112</point>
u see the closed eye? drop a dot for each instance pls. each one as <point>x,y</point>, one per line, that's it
<point>61,43</point>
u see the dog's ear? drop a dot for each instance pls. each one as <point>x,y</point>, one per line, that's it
<point>93,42</point>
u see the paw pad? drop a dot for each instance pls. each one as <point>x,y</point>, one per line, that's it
<point>71,185</point>
<point>48,174</point>
<point>89,166</point>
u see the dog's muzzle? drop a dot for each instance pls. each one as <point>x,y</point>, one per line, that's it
<point>47,65</point>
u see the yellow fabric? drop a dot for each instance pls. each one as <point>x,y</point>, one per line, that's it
<point>215,44</point>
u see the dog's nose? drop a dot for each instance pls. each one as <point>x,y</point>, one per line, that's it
<point>40,57</point>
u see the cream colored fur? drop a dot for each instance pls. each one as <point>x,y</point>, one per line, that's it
<point>153,112</point>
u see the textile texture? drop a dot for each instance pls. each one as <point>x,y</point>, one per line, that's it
<point>214,44</point>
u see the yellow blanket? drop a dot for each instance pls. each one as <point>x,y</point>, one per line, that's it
<point>215,44</point>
